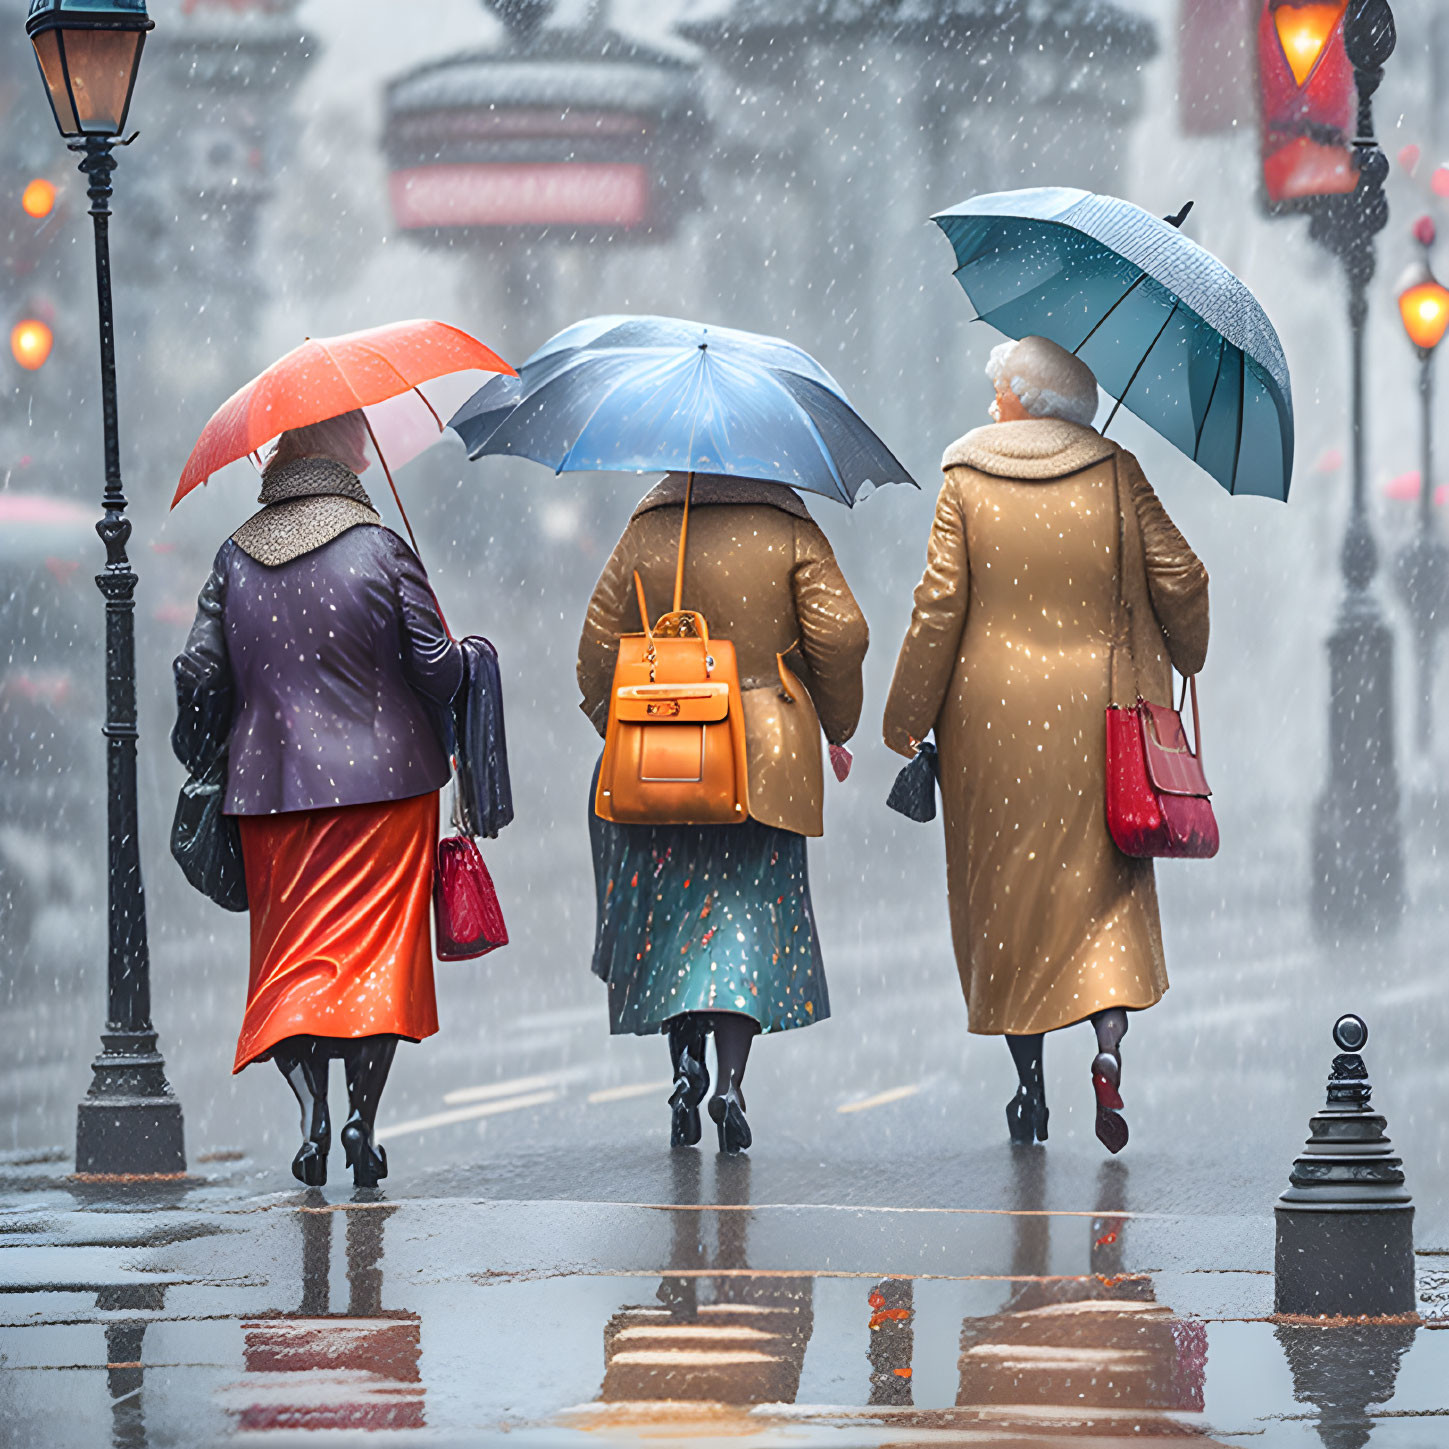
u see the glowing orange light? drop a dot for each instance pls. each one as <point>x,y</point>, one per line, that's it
<point>1424,308</point>
<point>38,198</point>
<point>30,342</point>
<point>1303,31</point>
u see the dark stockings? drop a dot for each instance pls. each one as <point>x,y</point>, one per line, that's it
<point>1111,1027</point>
<point>303,1061</point>
<point>1026,1054</point>
<point>733,1036</point>
<point>1026,1113</point>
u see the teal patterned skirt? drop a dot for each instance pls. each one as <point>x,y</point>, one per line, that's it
<point>705,918</point>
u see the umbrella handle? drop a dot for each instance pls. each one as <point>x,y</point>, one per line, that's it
<point>412,537</point>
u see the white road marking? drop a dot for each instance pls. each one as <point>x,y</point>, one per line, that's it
<point>465,1114</point>
<point>881,1099</point>
<point>623,1094</point>
<point>502,1089</point>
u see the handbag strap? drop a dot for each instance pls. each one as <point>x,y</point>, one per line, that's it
<point>1122,622</point>
<point>1121,627</point>
<point>683,535</point>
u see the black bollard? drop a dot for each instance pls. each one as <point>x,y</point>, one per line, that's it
<point>1345,1244</point>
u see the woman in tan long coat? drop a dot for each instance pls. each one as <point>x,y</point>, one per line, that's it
<point>709,927</point>
<point>1009,658</point>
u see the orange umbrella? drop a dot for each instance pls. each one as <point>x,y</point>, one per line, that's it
<point>327,376</point>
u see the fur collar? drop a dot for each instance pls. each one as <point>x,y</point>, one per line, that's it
<point>286,530</point>
<point>311,478</point>
<point>717,488</point>
<point>1030,449</point>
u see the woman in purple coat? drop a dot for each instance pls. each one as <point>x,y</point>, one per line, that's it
<point>321,624</point>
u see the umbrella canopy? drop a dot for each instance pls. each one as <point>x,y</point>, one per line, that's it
<point>1168,330</point>
<point>629,394</point>
<point>327,376</point>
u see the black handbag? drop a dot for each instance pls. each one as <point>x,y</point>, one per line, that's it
<point>914,792</point>
<point>206,842</point>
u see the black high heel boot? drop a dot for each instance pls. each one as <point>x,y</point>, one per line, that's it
<point>1026,1118</point>
<point>691,1078</point>
<point>368,1060</point>
<point>727,1111</point>
<point>304,1065</point>
<point>733,1036</point>
<point>1026,1113</point>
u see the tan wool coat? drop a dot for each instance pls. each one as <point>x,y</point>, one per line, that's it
<point>1008,659</point>
<point>764,577</point>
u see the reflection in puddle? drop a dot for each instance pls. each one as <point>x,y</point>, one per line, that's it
<point>1093,1349</point>
<point>721,1337</point>
<point>315,1369</point>
<point>1090,1351</point>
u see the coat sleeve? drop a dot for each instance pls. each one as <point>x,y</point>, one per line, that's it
<point>933,640</point>
<point>203,674</point>
<point>833,633</point>
<point>608,616</point>
<point>203,664</point>
<point>432,662</point>
<point>1176,579</point>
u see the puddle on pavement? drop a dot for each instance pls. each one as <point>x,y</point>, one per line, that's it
<point>353,1319</point>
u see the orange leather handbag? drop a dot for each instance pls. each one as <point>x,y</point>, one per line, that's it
<point>674,746</point>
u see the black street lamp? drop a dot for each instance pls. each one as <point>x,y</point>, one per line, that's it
<point>129,1122</point>
<point>1358,854</point>
<point>1422,568</point>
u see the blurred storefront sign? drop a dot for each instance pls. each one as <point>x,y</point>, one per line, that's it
<point>1306,98</point>
<point>575,129</point>
<point>1215,65</point>
<point>551,193</point>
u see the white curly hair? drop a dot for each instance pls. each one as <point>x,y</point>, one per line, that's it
<point>1047,380</point>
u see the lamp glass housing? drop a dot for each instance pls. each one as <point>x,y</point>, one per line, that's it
<point>1424,310</point>
<point>89,52</point>
<point>1303,32</point>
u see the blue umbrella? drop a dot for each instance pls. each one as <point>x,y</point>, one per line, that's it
<point>644,393</point>
<point>1168,330</point>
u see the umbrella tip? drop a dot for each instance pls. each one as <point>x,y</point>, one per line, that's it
<point>1181,215</point>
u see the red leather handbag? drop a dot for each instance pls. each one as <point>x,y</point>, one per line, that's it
<point>467,918</point>
<point>1158,800</point>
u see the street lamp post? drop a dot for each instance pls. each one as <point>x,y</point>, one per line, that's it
<point>1358,855</point>
<point>1422,568</point>
<point>129,1122</point>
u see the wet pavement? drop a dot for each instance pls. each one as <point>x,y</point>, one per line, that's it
<point>881,1269</point>
<point>222,1311</point>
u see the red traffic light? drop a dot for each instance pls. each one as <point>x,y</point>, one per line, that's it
<point>1307,97</point>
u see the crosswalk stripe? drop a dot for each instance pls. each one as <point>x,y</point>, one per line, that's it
<point>881,1099</point>
<point>623,1094</point>
<point>501,1089</point>
<point>466,1114</point>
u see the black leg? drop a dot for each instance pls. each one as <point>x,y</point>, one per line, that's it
<point>367,1060</point>
<point>687,1033</point>
<point>733,1036</point>
<point>302,1060</point>
<point>1026,1113</point>
<point>1111,1027</point>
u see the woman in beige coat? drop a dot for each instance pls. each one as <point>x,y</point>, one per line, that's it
<point>1018,642</point>
<point>710,927</point>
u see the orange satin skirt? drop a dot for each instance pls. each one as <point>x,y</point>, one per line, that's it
<point>341,905</point>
